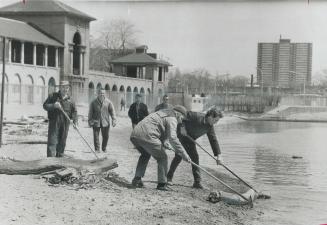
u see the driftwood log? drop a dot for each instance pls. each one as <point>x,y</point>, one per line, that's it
<point>16,167</point>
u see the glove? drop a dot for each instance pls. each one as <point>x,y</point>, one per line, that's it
<point>219,159</point>
<point>114,123</point>
<point>167,145</point>
<point>186,158</point>
<point>74,124</point>
<point>57,105</point>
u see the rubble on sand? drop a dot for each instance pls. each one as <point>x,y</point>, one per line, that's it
<point>82,179</point>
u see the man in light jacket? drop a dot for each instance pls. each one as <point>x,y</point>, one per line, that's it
<point>101,109</point>
<point>151,136</point>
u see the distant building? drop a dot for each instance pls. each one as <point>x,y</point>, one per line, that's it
<point>48,41</point>
<point>284,64</point>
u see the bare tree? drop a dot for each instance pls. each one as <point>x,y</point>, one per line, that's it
<point>119,36</point>
<point>117,39</point>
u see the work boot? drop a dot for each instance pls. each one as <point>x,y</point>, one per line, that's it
<point>137,182</point>
<point>162,187</point>
<point>197,185</point>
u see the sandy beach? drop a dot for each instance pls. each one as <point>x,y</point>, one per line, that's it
<point>30,199</point>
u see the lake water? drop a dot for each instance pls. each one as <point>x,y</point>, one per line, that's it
<point>261,153</point>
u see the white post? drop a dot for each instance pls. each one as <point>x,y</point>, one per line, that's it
<point>22,50</point>
<point>80,63</point>
<point>9,52</point>
<point>34,54</point>
<point>57,60</point>
<point>71,62</point>
<point>45,56</point>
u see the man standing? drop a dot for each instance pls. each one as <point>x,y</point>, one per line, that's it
<point>164,104</point>
<point>150,137</point>
<point>195,125</point>
<point>137,111</point>
<point>101,109</point>
<point>56,104</point>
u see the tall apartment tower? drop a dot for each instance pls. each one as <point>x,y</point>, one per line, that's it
<point>284,64</point>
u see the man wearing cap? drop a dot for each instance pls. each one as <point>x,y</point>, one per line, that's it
<point>137,111</point>
<point>56,104</point>
<point>151,136</point>
<point>100,112</point>
<point>164,104</point>
<point>194,125</point>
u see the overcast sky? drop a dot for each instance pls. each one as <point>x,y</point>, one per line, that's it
<point>220,36</point>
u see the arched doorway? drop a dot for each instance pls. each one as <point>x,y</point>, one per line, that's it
<point>76,53</point>
<point>6,87</point>
<point>30,89</point>
<point>51,85</point>
<point>99,87</point>
<point>129,96</point>
<point>160,95</point>
<point>91,91</point>
<point>107,89</point>
<point>40,90</point>
<point>16,86</point>
<point>148,97</point>
<point>142,92</point>
<point>135,92</point>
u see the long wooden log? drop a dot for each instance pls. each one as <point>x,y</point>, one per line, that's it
<point>16,167</point>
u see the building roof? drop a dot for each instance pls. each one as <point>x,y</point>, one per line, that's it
<point>139,58</point>
<point>42,7</point>
<point>23,31</point>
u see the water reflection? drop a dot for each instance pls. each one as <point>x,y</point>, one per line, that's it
<point>261,153</point>
<point>276,169</point>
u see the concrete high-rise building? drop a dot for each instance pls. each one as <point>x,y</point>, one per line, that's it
<point>284,64</point>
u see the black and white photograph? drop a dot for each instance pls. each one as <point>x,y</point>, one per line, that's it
<point>163,112</point>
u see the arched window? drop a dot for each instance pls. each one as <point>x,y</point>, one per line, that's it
<point>30,89</point>
<point>51,85</point>
<point>16,86</point>
<point>76,53</point>
<point>142,92</point>
<point>40,89</point>
<point>129,96</point>
<point>91,91</point>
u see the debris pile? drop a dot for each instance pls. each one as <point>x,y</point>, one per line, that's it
<point>81,179</point>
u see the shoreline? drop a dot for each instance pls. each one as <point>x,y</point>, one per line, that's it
<point>30,200</point>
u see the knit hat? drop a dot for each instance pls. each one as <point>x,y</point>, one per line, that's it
<point>181,109</point>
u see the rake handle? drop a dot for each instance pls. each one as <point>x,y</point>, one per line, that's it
<point>75,127</point>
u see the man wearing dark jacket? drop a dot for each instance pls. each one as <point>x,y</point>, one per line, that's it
<point>164,104</point>
<point>195,125</point>
<point>137,111</point>
<point>101,109</point>
<point>58,123</point>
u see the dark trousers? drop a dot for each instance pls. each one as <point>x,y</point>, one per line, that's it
<point>57,136</point>
<point>105,137</point>
<point>190,148</point>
